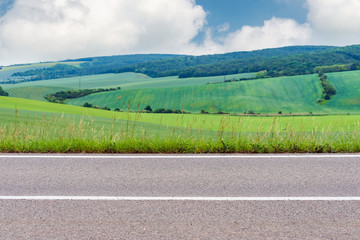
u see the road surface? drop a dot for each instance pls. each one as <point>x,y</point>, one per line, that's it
<point>179,197</point>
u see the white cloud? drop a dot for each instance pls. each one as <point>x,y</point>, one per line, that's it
<point>41,30</point>
<point>38,30</point>
<point>335,21</point>
<point>330,22</point>
<point>276,32</point>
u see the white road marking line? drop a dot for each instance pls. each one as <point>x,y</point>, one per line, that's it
<point>180,156</point>
<point>105,198</point>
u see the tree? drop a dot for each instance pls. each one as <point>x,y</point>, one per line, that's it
<point>106,108</point>
<point>148,108</point>
<point>89,105</point>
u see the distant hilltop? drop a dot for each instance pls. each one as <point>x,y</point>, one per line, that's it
<point>285,61</point>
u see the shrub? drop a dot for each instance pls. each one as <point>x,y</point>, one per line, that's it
<point>88,105</point>
<point>148,108</point>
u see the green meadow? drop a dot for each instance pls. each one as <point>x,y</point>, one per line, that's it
<point>211,122</point>
<point>287,94</point>
<point>6,73</point>
<point>347,85</point>
<point>297,94</point>
<point>37,65</point>
<point>124,80</point>
<point>30,124</point>
<point>36,126</point>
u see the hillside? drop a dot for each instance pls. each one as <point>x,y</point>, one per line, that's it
<point>296,94</point>
<point>74,67</point>
<point>263,90</point>
<point>286,61</point>
<point>29,113</point>
<point>220,64</point>
<point>289,94</point>
<point>37,90</point>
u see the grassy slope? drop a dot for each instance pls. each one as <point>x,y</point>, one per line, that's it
<point>34,93</point>
<point>36,90</point>
<point>347,85</point>
<point>6,72</point>
<point>42,65</point>
<point>288,94</point>
<point>205,122</point>
<point>44,132</point>
<point>296,94</point>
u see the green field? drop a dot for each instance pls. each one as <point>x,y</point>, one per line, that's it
<point>36,126</point>
<point>36,90</point>
<point>34,93</point>
<point>287,94</point>
<point>288,116</point>
<point>37,65</point>
<point>7,72</point>
<point>347,85</point>
<point>195,121</point>
<point>297,94</point>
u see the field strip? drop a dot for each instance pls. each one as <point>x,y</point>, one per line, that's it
<point>159,156</point>
<point>234,199</point>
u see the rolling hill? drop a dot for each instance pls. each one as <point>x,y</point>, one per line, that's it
<point>251,91</point>
<point>36,90</point>
<point>36,113</point>
<point>296,94</point>
<point>286,61</point>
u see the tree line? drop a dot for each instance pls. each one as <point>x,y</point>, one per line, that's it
<point>149,109</point>
<point>286,61</point>
<point>60,97</point>
<point>89,66</point>
<point>328,89</point>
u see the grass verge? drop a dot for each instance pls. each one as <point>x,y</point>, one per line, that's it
<point>31,133</point>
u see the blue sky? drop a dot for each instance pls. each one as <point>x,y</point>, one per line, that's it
<point>251,12</point>
<point>5,5</point>
<point>236,12</point>
<point>38,30</point>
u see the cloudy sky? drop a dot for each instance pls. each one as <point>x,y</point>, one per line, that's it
<point>43,30</point>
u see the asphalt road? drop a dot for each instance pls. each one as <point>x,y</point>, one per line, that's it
<point>180,176</point>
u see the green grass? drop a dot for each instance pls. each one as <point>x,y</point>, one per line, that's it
<point>289,94</point>
<point>35,126</point>
<point>37,65</point>
<point>196,121</point>
<point>27,131</point>
<point>36,90</point>
<point>7,72</point>
<point>34,93</point>
<point>174,81</point>
<point>38,126</point>
<point>347,85</point>
<point>297,94</point>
